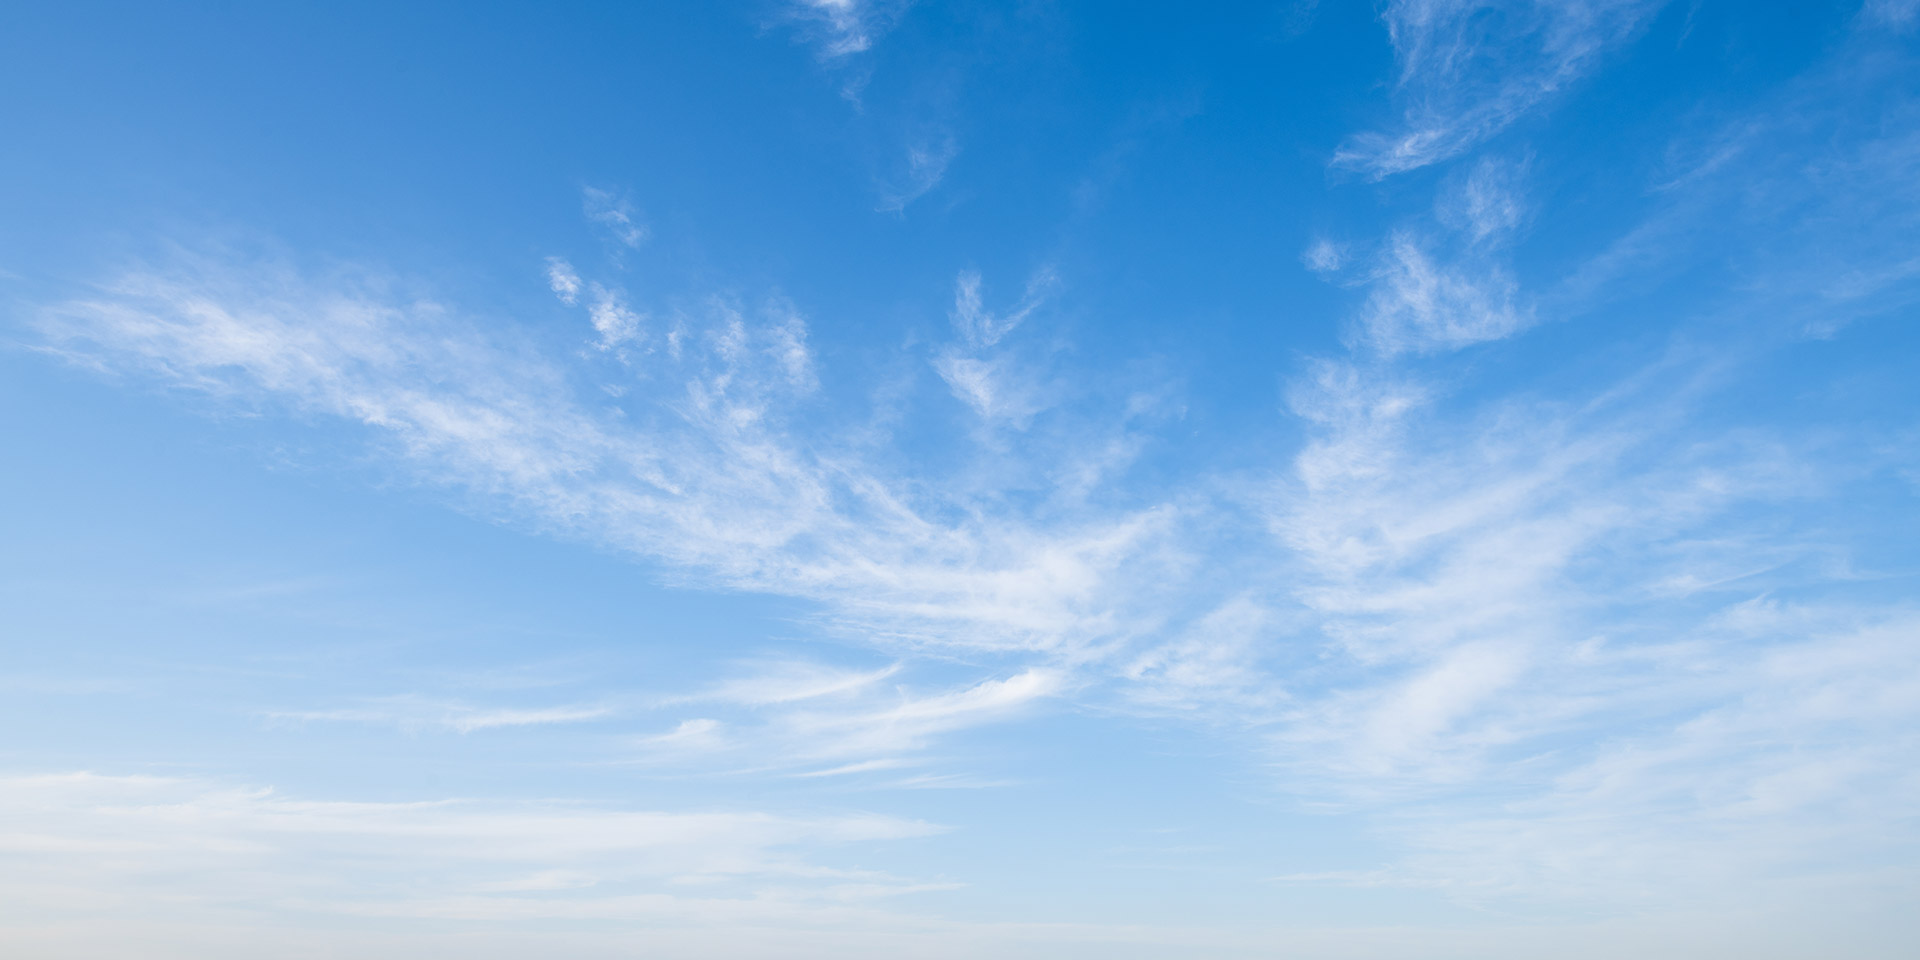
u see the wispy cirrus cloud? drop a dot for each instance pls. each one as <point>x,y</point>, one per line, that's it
<point>1420,306</point>
<point>926,165</point>
<point>1470,68</point>
<point>214,850</point>
<point>1323,256</point>
<point>1541,629</point>
<point>615,322</point>
<point>409,712</point>
<point>841,28</point>
<point>711,481</point>
<point>1430,619</point>
<point>1434,291</point>
<point>906,723</point>
<point>614,213</point>
<point>998,384</point>
<point>1485,608</point>
<point>818,720</point>
<point>783,682</point>
<point>1786,770</point>
<point>563,280</point>
<point>1486,204</point>
<point>1441,561</point>
<point>1899,14</point>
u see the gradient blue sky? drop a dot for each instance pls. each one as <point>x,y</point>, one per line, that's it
<point>849,478</point>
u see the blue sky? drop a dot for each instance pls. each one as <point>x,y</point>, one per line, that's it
<point>844,478</point>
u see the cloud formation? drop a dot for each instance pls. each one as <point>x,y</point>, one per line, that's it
<point>926,166</point>
<point>614,213</point>
<point>810,719</point>
<point>409,712</point>
<point>999,385</point>
<point>209,849</point>
<point>841,28</point>
<point>709,481</point>
<point>1470,68</point>
<point>1419,306</point>
<point>1543,634</point>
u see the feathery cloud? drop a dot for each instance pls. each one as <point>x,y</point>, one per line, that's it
<point>994,382</point>
<point>841,28</point>
<point>563,281</point>
<point>926,166</point>
<point>203,846</point>
<point>409,712</point>
<point>1470,68</point>
<point>711,483</point>
<point>615,213</point>
<point>1420,306</point>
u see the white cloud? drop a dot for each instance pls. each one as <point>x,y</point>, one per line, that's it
<point>1420,306</point>
<point>1527,634</point>
<point>841,28</point>
<point>1530,636</point>
<point>612,319</point>
<point>790,681</point>
<point>1216,667</point>
<point>998,384</point>
<point>1898,14</point>
<point>1793,764</point>
<point>1470,68</point>
<point>908,722</point>
<point>1323,256</point>
<point>1498,614</point>
<point>143,850</point>
<point>1430,623</point>
<point>1500,668</point>
<point>981,327</point>
<point>712,482</point>
<point>615,213</point>
<point>843,20</point>
<point>704,735</point>
<point>787,345</point>
<point>564,282</point>
<point>799,714</point>
<point>926,166</point>
<point>414,712</point>
<point>1486,204</point>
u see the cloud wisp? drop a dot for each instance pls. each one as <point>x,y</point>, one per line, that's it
<point>1547,645</point>
<point>841,28</point>
<point>822,721</point>
<point>132,840</point>
<point>414,713</point>
<point>614,214</point>
<point>1470,68</point>
<point>926,166</point>
<point>1419,306</point>
<point>998,384</point>
<point>709,480</point>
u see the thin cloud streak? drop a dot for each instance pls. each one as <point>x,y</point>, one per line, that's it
<point>1470,68</point>
<point>994,381</point>
<point>614,213</point>
<point>800,715</point>
<point>926,166</point>
<point>838,29</point>
<point>206,848</point>
<point>415,713</point>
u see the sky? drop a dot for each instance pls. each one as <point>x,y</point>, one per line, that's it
<point>868,478</point>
